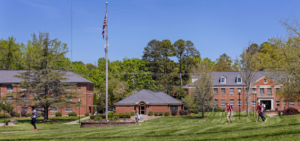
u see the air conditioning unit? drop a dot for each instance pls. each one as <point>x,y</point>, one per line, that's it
<point>68,90</point>
<point>10,91</point>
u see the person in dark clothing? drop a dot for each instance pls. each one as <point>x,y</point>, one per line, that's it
<point>33,118</point>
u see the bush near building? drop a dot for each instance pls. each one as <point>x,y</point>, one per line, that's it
<point>58,114</point>
<point>167,113</point>
<point>86,114</point>
<point>289,111</point>
<point>132,113</point>
<point>150,113</point>
<point>17,115</point>
<point>72,114</point>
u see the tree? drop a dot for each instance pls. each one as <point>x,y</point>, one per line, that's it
<point>179,92</point>
<point>224,63</point>
<point>120,91</point>
<point>11,54</point>
<point>179,47</point>
<point>90,66</point>
<point>190,53</point>
<point>188,101</point>
<point>202,92</point>
<point>248,67</point>
<point>43,82</point>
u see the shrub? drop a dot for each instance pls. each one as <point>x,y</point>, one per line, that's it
<point>132,113</point>
<point>58,114</point>
<point>156,113</point>
<point>121,113</point>
<point>72,114</point>
<point>40,114</point>
<point>1,115</point>
<point>183,112</point>
<point>126,113</point>
<point>17,115</point>
<point>161,113</point>
<point>218,109</point>
<point>111,112</point>
<point>98,118</point>
<point>23,113</point>
<point>195,111</point>
<point>86,114</point>
<point>188,112</point>
<point>28,114</point>
<point>12,114</point>
<point>103,116</point>
<point>150,113</point>
<point>174,112</point>
<point>6,116</point>
<point>167,113</point>
<point>290,111</point>
<point>115,117</point>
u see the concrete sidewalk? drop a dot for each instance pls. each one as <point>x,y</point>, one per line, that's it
<point>75,122</point>
<point>11,123</point>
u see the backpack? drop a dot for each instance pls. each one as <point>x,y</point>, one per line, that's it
<point>36,114</point>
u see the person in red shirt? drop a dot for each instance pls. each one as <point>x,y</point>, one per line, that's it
<point>229,112</point>
<point>259,111</point>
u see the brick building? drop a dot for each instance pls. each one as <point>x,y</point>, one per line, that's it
<point>85,88</point>
<point>226,87</point>
<point>145,101</point>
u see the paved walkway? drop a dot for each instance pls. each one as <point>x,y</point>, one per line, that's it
<point>272,115</point>
<point>11,123</point>
<point>75,122</point>
<point>144,118</point>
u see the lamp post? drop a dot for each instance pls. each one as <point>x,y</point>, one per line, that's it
<point>239,91</point>
<point>79,109</point>
<point>254,95</point>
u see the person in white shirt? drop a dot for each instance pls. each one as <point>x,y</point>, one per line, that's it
<point>33,118</point>
<point>263,109</point>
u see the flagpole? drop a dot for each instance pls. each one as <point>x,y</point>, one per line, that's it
<point>106,52</point>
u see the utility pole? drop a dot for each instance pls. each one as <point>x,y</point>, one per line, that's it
<point>132,80</point>
<point>71,32</point>
<point>106,57</point>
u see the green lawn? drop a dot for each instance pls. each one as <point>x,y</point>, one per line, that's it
<point>167,128</point>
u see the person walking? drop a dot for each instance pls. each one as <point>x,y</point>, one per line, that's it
<point>229,112</point>
<point>258,109</point>
<point>137,118</point>
<point>263,110</point>
<point>34,116</point>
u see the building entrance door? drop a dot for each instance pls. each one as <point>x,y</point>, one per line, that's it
<point>142,110</point>
<point>267,103</point>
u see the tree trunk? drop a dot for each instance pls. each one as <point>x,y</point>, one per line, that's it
<point>202,111</point>
<point>46,113</point>
<point>248,99</point>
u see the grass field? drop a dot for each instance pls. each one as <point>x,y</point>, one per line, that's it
<point>167,128</point>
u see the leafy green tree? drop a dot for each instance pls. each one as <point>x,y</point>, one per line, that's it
<point>42,78</point>
<point>120,91</point>
<point>90,66</point>
<point>189,101</point>
<point>11,54</point>
<point>223,63</point>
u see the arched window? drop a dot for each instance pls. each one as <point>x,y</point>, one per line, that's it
<point>223,80</point>
<point>265,81</point>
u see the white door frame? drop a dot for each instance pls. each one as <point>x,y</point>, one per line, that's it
<point>267,99</point>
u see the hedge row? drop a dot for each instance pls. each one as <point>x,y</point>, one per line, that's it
<point>118,115</point>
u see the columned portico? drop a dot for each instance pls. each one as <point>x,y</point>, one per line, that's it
<point>268,101</point>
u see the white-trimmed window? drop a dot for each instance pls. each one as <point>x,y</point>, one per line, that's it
<point>231,91</point>
<point>39,109</point>
<point>222,91</point>
<point>68,110</point>
<point>10,99</point>
<point>216,101</point>
<point>23,88</point>
<point>277,103</point>
<point>9,88</point>
<point>53,110</point>
<point>246,101</point>
<point>284,104</point>
<point>223,102</point>
<point>292,104</point>
<point>239,102</point>
<point>262,91</point>
<point>269,91</point>
<point>232,102</point>
<point>223,80</point>
<point>79,86</point>
<point>215,90</point>
<point>24,98</point>
<point>24,109</point>
<point>173,107</point>
<point>239,80</point>
<point>253,104</point>
<point>253,89</point>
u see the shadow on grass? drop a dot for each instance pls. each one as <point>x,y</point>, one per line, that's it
<point>58,119</point>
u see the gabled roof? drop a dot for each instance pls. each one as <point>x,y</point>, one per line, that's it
<point>231,78</point>
<point>7,76</point>
<point>149,97</point>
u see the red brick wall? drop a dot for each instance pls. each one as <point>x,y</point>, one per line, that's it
<point>154,108</point>
<point>86,97</point>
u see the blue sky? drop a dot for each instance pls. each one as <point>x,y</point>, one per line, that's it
<point>214,26</point>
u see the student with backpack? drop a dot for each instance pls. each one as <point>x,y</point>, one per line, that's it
<point>258,109</point>
<point>137,118</point>
<point>229,112</point>
<point>34,116</point>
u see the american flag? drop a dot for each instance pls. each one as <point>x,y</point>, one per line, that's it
<point>104,24</point>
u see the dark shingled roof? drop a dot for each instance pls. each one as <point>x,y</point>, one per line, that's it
<point>231,77</point>
<point>7,76</point>
<point>149,97</point>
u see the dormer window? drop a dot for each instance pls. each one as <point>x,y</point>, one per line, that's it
<point>223,80</point>
<point>265,81</point>
<point>239,80</point>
